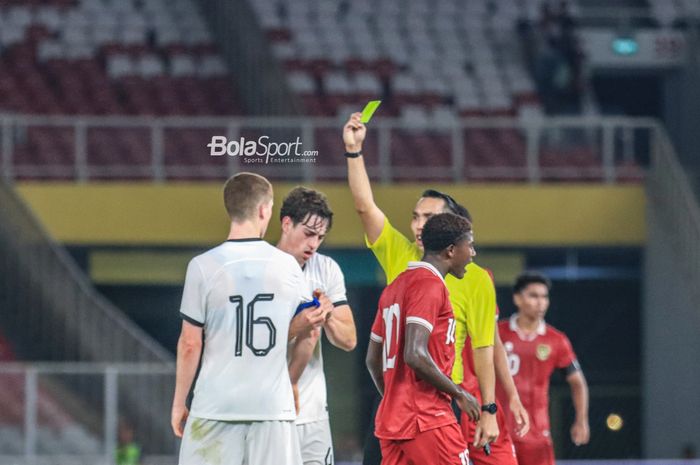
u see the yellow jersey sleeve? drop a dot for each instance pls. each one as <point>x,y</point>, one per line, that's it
<point>460,341</point>
<point>393,251</point>
<point>481,322</point>
<point>473,301</point>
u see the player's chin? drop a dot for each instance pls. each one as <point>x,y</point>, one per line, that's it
<point>459,274</point>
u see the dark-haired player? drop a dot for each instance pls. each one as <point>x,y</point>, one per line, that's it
<point>411,353</point>
<point>306,219</point>
<point>535,349</point>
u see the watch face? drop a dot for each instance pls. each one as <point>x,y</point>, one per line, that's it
<point>490,408</point>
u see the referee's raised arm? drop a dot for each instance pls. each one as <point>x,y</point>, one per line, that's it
<point>372,217</point>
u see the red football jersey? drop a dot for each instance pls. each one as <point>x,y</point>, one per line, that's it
<point>411,405</point>
<point>532,360</point>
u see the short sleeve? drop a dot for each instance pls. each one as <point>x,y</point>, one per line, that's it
<point>335,284</point>
<point>481,320</point>
<point>566,356</point>
<point>193,306</point>
<point>423,302</point>
<point>393,251</point>
<point>377,334</point>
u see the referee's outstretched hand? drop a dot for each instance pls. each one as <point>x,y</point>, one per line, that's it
<point>354,133</point>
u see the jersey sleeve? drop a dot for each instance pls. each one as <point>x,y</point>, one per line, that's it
<point>566,358</point>
<point>481,321</point>
<point>193,305</point>
<point>393,251</point>
<point>335,284</point>
<point>460,342</point>
<point>377,333</point>
<point>423,302</point>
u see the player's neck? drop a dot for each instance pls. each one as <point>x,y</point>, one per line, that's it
<point>439,264</point>
<point>245,230</point>
<point>526,324</point>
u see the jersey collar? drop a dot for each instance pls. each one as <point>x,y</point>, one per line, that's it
<point>427,266</point>
<point>540,331</point>
<point>247,239</point>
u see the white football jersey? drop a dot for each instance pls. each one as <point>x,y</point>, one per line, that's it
<point>321,272</point>
<point>243,294</point>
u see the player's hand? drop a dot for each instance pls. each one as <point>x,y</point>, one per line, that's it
<point>486,431</point>
<point>326,305</point>
<point>468,404</point>
<point>522,419</point>
<point>308,320</point>
<point>580,433</point>
<point>354,133</point>
<point>178,418</point>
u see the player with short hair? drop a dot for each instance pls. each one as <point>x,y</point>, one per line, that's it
<point>411,353</point>
<point>241,296</point>
<point>535,349</point>
<point>306,219</point>
<point>473,298</point>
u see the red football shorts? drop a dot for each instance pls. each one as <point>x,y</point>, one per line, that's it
<point>535,452</point>
<point>502,450</point>
<point>438,446</point>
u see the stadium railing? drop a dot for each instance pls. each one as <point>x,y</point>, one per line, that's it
<point>601,149</point>
<point>84,432</point>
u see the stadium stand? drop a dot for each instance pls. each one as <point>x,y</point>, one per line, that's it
<point>96,57</point>
<point>421,53</point>
<point>431,63</point>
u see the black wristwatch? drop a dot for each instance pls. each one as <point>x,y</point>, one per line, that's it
<point>353,154</point>
<point>490,408</point>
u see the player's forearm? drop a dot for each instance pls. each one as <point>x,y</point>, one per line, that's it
<point>579,395</point>
<point>360,186</point>
<point>188,355</point>
<point>502,370</point>
<point>423,364</point>
<point>485,373</point>
<point>340,328</point>
<point>374,365</point>
<point>301,352</point>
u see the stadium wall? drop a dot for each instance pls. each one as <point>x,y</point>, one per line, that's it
<point>671,346</point>
<point>192,214</point>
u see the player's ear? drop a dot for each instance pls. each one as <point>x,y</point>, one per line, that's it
<point>450,251</point>
<point>265,210</point>
<point>287,224</point>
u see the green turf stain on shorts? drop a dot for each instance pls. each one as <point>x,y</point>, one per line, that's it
<point>211,453</point>
<point>199,429</point>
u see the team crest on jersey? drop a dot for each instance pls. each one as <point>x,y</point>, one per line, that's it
<point>543,352</point>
